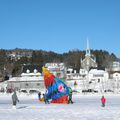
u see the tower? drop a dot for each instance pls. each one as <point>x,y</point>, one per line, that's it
<point>88,49</point>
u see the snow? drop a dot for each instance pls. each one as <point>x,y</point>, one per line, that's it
<point>85,107</point>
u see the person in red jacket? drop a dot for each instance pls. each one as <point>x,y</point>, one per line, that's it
<point>103,101</point>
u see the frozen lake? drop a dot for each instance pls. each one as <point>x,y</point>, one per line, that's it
<point>85,107</point>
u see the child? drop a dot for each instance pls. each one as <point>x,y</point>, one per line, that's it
<point>103,101</point>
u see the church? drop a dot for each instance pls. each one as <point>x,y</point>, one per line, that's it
<point>89,61</point>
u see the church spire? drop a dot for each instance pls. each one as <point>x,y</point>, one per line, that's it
<point>88,48</point>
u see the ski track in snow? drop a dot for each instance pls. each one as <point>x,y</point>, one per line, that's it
<point>86,107</point>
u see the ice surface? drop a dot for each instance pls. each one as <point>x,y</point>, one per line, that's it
<point>85,107</point>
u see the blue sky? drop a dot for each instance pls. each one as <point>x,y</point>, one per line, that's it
<point>60,25</point>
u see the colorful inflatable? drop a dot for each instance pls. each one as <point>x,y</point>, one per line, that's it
<point>57,90</point>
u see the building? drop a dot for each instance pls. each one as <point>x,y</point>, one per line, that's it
<point>89,61</point>
<point>58,69</point>
<point>114,70</point>
<point>71,74</point>
<point>98,79</point>
<point>15,55</point>
<point>31,80</point>
<point>98,75</point>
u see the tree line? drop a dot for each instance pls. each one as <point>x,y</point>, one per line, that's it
<point>71,58</point>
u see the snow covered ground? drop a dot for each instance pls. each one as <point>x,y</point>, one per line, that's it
<point>85,107</point>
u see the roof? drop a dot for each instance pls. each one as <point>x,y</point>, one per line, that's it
<point>95,71</point>
<point>31,68</point>
<point>98,68</point>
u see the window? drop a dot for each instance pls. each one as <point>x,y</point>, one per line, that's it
<point>38,84</point>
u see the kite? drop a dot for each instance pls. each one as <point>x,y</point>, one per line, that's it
<point>57,90</point>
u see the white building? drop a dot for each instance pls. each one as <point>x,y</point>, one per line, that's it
<point>114,70</point>
<point>115,66</point>
<point>98,75</point>
<point>31,79</point>
<point>58,69</point>
<point>72,74</point>
<point>98,79</point>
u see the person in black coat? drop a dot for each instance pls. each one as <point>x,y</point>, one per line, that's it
<point>39,95</point>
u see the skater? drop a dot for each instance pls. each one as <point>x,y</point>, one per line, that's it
<point>14,99</point>
<point>103,101</point>
<point>70,98</point>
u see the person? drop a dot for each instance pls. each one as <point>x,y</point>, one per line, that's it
<point>70,98</point>
<point>39,95</point>
<point>14,99</point>
<point>75,83</point>
<point>103,101</point>
<point>45,98</point>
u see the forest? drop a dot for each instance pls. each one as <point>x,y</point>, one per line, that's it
<point>12,61</point>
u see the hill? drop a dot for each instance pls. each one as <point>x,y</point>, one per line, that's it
<point>11,61</point>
